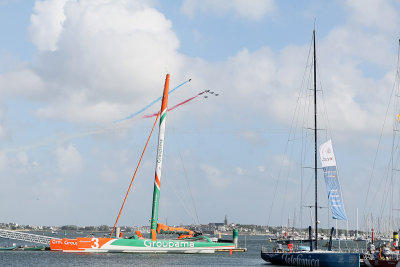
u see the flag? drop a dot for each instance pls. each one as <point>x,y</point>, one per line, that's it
<point>332,181</point>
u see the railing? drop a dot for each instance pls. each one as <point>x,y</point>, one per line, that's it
<point>297,249</point>
<point>40,239</point>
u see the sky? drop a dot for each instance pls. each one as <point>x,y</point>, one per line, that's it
<point>69,69</point>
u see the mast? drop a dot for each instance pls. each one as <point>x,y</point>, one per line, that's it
<point>160,150</point>
<point>315,145</point>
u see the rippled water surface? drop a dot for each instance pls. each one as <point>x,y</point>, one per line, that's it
<point>53,258</point>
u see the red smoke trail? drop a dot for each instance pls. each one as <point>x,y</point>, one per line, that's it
<point>177,105</point>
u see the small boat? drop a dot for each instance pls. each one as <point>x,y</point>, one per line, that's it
<point>384,256</point>
<point>38,248</point>
<point>13,247</point>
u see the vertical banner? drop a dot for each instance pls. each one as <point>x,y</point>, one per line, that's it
<point>332,181</point>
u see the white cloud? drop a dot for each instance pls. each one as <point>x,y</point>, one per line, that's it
<point>369,13</point>
<point>283,161</point>
<point>253,137</point>
<point>239,171</point>
<point>109,176</point>
<point>263,83</point>
<point>105,58</point>
<point>252,10</point>
<point>4,131</point>
<point>101,68</point>
<point>123,156</point>
<point>3,161</point>
<point>22,81</point>
<point>350,44</point>
<point>22,158</point>
<point>69,159</point>
<point>261,168</point>
<point>78,109</point>
<point>214,176</point>
<point>46,24</point>
<point>49,189</point>
<point>101,60</point>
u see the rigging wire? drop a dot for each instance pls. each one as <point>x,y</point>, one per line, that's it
<point>328,130</point>
<point>306,143</point>
<point>194,217</point>
<point>301,120</point>
<point>306,81</point>
<point>382,129</point>
<point>149,116</point>
<point>133,177</point>
<point>395,146</point>
<point>182,202</point>
<point>293,126</point>
<point>185,175</point>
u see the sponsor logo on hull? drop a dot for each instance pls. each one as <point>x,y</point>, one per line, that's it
<point>299,260</point>
<point>168,244</point>
<point>56,244</point>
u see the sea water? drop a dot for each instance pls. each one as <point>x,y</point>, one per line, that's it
<point>55,258</point>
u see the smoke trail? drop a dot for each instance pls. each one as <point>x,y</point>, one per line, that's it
<point>110,127</point>
<point>177,105</point>
<point>149,105</point>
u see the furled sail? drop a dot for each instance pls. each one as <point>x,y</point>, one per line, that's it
<point>332,181</point>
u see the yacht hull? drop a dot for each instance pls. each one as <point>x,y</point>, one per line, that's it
<point>322,259</point>
<point>127,245</point>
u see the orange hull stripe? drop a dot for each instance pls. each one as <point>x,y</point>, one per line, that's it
<point>56,244</point>
<point>69,244</point>
<point>157,181</point>
<point>165,96</point>
<point>89,242</point>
